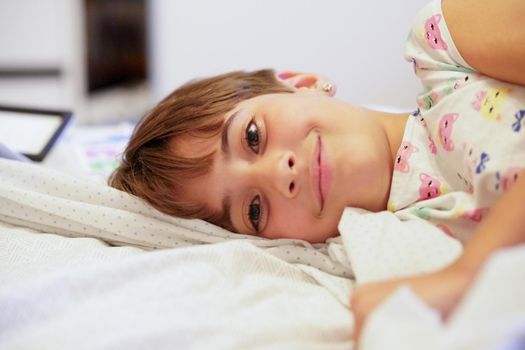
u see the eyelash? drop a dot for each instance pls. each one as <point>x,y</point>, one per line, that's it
<point>252,130</point>
<point>255,212</point>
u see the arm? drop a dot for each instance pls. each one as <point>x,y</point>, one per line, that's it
<point>490,35</point>
<point>504,226</point>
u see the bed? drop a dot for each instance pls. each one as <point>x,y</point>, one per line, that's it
<point>85,266</point>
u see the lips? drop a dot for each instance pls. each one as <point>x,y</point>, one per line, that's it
<point>322,179</point>
<point>317,174</point>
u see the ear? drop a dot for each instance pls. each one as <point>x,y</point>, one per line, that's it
<point>307,81</point>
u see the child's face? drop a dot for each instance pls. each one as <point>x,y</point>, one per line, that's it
<point>288,164</point>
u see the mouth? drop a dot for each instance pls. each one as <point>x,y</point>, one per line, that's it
<point>317,174</point>
<point>324,173</point>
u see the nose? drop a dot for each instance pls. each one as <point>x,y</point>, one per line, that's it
<point>282,174</point>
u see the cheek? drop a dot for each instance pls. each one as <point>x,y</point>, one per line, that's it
<point>290,124</point>
<point>285,218</point>
<point>297,222</point>
<point>286,132</point>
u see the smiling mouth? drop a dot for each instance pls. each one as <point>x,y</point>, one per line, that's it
<point>320,168</point>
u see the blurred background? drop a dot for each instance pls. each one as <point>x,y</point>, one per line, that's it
<point>110,60</point>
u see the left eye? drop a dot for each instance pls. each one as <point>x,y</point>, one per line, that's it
<point>252,136</point>
<point>254,213</point>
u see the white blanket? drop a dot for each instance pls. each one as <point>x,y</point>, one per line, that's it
<point>490,316</point>
<point>221,290</point>
<point>228,295</point>
<point>233,292</point>
<point>380,246</point>
<point>54,202</point>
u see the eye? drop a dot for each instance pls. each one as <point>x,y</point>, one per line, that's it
<point>254,213</point>
<point>252,136</point>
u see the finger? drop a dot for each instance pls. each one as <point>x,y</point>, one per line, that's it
<point>357,328</point>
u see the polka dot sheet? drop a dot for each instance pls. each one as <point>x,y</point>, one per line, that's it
<point>48,201</point>
<point>380,246</point>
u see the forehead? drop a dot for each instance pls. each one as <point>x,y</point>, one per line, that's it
<point>202,187</point>
<point>194,146</point>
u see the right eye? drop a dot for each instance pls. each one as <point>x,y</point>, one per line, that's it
<point>254,213</point>
<point>252,136</point>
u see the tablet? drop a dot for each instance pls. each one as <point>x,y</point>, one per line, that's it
<point>31,132</point>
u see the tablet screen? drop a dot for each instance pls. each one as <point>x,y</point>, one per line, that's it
<point>30,132</point>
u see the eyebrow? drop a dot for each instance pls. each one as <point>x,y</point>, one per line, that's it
<point>225,148</point>
<point>226,212</point>
<point>226,208</point>
<point>225,143</point>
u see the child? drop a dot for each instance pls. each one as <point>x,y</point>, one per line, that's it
<point>279,165</point>
<point>276,155</point>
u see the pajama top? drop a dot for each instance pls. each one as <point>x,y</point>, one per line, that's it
<point>465,144</point>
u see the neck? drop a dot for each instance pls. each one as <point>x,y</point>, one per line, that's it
<point>393,126</point>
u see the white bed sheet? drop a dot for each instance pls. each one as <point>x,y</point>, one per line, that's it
<point>228,295</point>
<point>215,290</point>
<point>54,202</point>
<point>490,316</point>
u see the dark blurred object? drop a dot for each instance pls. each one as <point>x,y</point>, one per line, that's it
<point>32,72</point>
<point>115,42</point>
<point>29,131</point>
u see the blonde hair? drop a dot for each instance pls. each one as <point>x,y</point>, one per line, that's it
<point>151,170</point>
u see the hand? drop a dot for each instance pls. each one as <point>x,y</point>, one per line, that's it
<point>441,290</point>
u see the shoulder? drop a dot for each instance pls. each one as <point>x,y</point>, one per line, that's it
<point>489,35</point>
<point>430,46</point>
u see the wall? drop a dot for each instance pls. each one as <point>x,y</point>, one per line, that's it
<point>32,36</point>
<point>359,44</point>
<point>41,45</point>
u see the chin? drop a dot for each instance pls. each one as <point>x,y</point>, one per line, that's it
<point>322,238</point>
